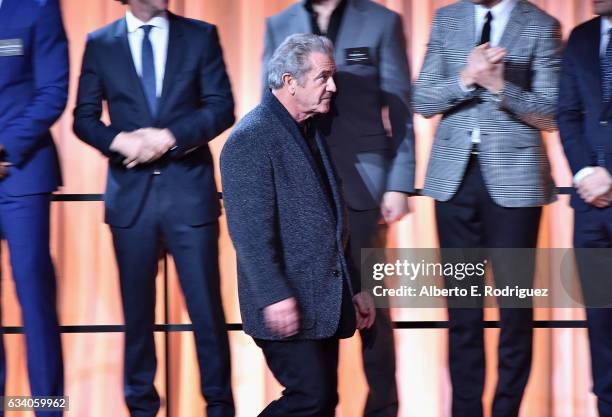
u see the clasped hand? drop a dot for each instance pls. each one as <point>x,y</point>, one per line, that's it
<point>143,145</point>
<point>485,67</point>
<point>596,188</point>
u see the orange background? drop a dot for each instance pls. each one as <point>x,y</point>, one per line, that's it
<point>88,282</point>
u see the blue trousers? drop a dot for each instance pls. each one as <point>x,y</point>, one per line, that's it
<point>24,223</point>
<point>593,229</point>
<point>195,253</point>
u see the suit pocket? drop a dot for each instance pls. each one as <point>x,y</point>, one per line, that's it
<point>519,141</point>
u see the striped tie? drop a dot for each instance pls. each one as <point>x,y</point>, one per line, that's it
<point>606,70</point>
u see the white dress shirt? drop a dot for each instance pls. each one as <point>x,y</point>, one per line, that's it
<point>606,25</point>
<point>501,16</point>
<point>159,41</point>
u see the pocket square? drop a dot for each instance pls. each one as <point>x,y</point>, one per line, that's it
<point>359,55</point>
<point>11,47</point>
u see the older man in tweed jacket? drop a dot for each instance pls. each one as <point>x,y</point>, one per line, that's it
<point>286,218</point>
<point>491,71</point>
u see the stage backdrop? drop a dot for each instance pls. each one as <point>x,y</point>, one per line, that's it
<point>88,283</point>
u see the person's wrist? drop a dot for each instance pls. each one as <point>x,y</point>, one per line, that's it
<point>498,91</point>
<point>116,142</point>
<point>467,78</point>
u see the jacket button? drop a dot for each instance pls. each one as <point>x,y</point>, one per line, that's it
<point>603,122</point>
<point>336,273</point>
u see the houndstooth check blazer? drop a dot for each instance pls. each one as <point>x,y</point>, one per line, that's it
<point>512,157</point>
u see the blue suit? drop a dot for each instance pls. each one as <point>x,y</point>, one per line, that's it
<point>585,125</point>
<point>171,203</point>
<point>33,93</point>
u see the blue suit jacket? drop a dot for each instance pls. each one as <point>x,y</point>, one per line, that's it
<point>585,121</point>
<point>33,92</point>
<point>196,105</point>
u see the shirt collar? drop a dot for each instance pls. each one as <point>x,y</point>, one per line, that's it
<point>606,25</point>
<point>308,6</point>
<point>503,8</point>
<point>134,23</point>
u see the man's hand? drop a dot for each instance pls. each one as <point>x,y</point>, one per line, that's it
<point>364,310</point>
<point>394,206</point>
<point>485,68</point>
<point>161,140</point>
<point>143,146</point>
<point>492,79</point>
<point>131,145</point>
<point>283,317</point>
<point>603,201</point>
<point>595,186</point>
<point>4,169</point>
<point>4,165</point>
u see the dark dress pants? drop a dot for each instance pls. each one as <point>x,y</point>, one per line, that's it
<point>308,369</point>
<point>471,219</point>
<point>593,229</point>
<point>195,253</point>
<point>24,223</point>
<point>377,343</point>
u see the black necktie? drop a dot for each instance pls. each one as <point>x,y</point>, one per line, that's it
<point>148,69</point>
<point>486,30</point>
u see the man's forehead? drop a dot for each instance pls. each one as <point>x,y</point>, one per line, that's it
<point>322,61</point>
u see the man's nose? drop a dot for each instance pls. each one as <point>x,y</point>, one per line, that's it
<point>331,85</point>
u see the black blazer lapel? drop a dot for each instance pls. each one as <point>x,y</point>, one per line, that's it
<point>354,22</point>
<point>333,183</point>
<point>176,50</point>
<point>125,67</point>
<point>289,124</point>
<point>283,116</point>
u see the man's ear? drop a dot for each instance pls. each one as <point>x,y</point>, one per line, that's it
<point>289,82</point>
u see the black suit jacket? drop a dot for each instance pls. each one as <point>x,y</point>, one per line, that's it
<point>288,234</point>
<point>585,120</point>
<point>196,105</point>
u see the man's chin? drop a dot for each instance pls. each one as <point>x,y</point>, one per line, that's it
<point>324,107</point>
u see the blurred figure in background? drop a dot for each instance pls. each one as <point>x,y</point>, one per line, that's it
<point>585,125</point>
<point>168,95</point>
<point>33,93</point>
<point>375,165</point>
<point>491,71</point>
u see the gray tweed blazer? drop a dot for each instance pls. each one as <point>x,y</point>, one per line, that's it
<point>288,236</point>
<point>513,160</point>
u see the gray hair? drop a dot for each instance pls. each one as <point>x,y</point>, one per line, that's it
<point>291,57</point>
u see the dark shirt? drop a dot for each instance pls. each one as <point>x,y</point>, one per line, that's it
<point>308,131</point>
<point>334,21</point>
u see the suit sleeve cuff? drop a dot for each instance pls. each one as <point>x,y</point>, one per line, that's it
<point>582,174</point>
<point>273,297</point>
<point>464,88</point>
